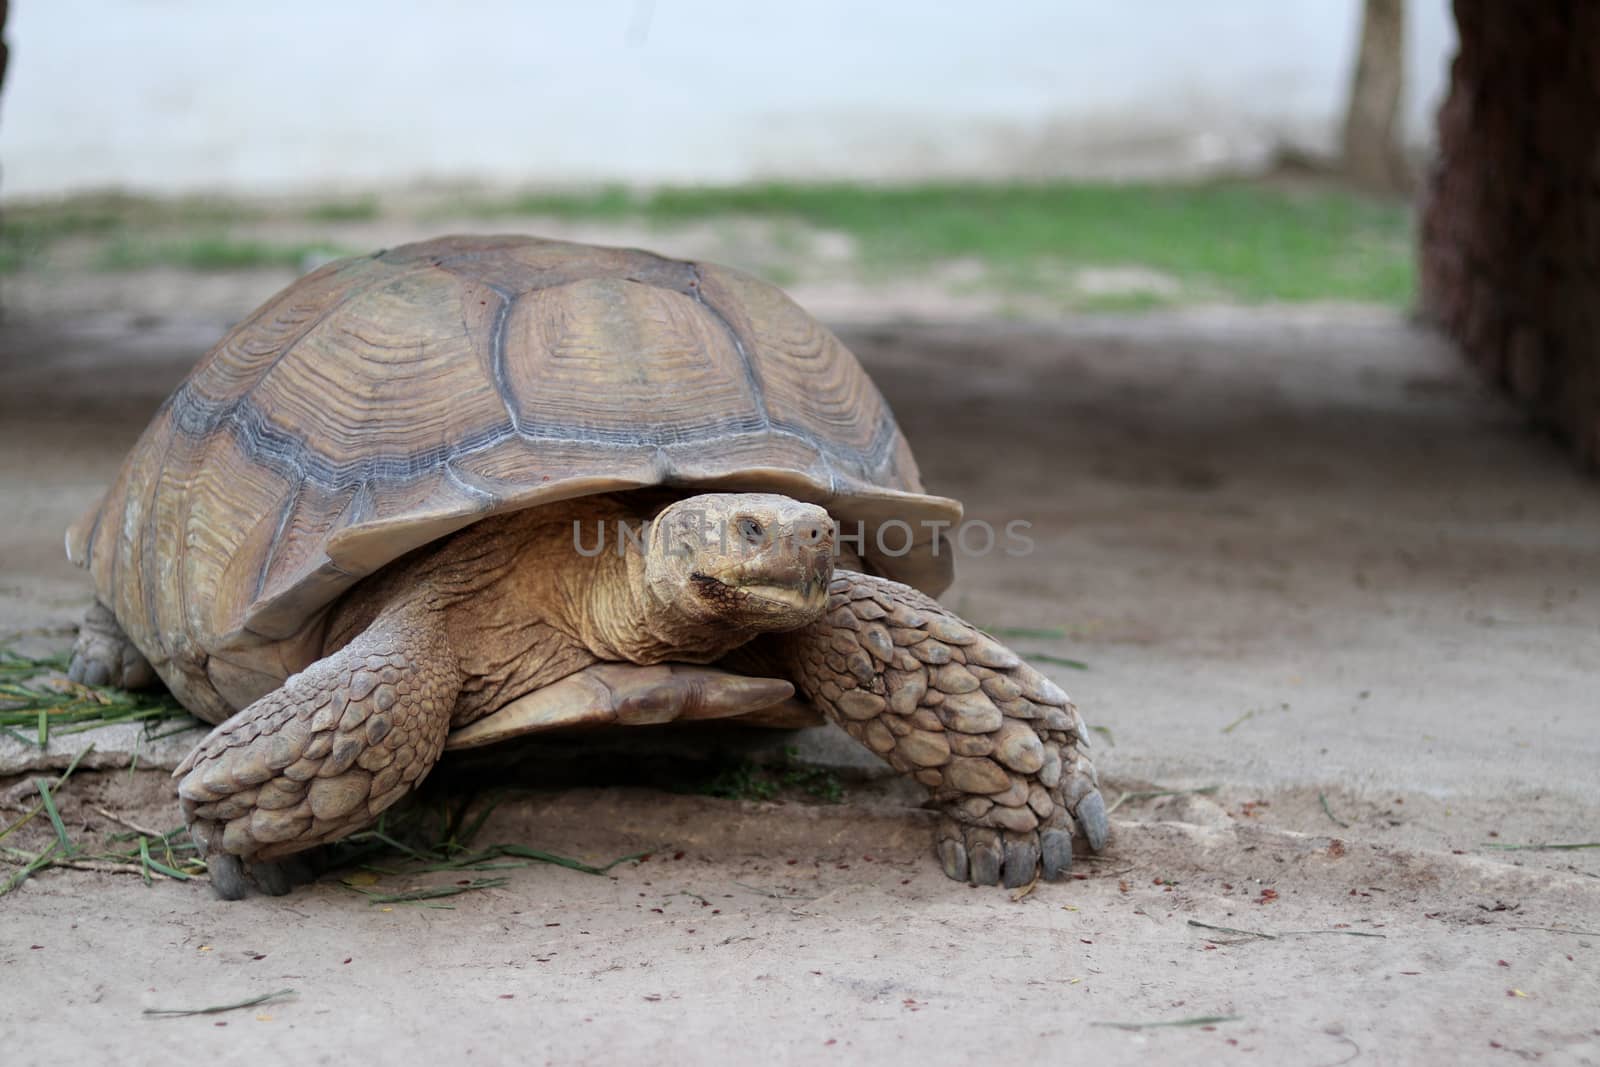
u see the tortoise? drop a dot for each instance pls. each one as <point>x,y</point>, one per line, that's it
<point>369,518</point>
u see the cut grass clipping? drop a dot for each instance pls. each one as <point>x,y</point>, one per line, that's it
<point>36,701</point>
<point>1193,1020</point>
<point>145,853</point>
<point>218,1009</point>
<point>34,697</point>
<point>414,840</point>
<point>434,838</point>
<point>1280,934</point>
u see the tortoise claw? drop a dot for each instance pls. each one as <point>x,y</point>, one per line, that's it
<point>1055,847</point>
<point>227,876</point>
<point>984,856</point>
<point>983,852</point>
<point>1092,819</point>
<point>272,878</point>
<point>89,672</point>
<point>953,858</point>
<point>1021,859</point>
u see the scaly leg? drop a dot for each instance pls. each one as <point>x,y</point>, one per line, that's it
<point>324,754</point>
<point>999,746</point>
<point>103,654</point>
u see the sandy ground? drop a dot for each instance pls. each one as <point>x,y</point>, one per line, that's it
<point>1304,559</point>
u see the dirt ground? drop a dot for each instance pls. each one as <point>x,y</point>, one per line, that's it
<point>1304,559</point>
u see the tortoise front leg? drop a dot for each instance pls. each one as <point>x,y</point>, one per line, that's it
<point>321,756</point>
<point>999,746</point>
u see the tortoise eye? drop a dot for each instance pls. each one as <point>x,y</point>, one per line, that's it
<point>751,530</point>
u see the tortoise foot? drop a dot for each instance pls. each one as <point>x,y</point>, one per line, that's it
<point>322,756</point>
<point>103,655</point>
<point>1000,747</point>
<point>231,876</point>
<point>972,848</point>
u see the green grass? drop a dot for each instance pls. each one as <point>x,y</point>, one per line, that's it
<point>99,213</point>
<point>207,253</point>
<point>1225,241</point>
<point>356,209</point>
<point>749,780</point>
<point>28,230</point>
<point>218,1009</point>
<point>1234,240</point>
<point>36,701</point>
<point>26,236</point>
<point>428,834</point>
<point>603,202</point>
<point>132,853</point>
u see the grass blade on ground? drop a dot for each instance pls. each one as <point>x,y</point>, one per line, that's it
<point>38,863</point>
<point>432,892</point>
<point>1060,661</point>
<point>1328,811</point>
<point>1233,930</point>
<point>541,856</point>
<point>217,1009</point>
<point>1036,633</point>
<point>1282,933</point>
<point>55,816</point>
<point>1195,1020</point>
<point>1152,794</point>
<point>30,700</point>
<point>59,782</point>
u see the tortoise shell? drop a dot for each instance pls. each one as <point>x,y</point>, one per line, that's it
<point>385,401</point>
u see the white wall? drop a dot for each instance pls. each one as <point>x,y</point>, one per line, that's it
<point>248,96</point>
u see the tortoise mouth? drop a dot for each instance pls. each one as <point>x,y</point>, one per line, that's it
<point>807,595</point>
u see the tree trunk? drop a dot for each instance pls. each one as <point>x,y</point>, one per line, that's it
<point>1511,231</point>
<point>5,55</point>
<point>1372,152</point>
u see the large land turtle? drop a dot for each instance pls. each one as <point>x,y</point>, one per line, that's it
<point>370,517</point>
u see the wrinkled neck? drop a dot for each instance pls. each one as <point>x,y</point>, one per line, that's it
<point>620,617</point>
<point>529,587</point>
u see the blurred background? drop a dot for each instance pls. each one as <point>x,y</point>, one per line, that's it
<point>186,96</point>
<point>897,158</point>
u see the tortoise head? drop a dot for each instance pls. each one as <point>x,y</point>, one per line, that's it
<point>756,560</point>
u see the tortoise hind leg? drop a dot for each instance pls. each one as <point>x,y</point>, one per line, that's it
<point>998,745</point>
<point>104,655</point>
<point>324,754</point>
